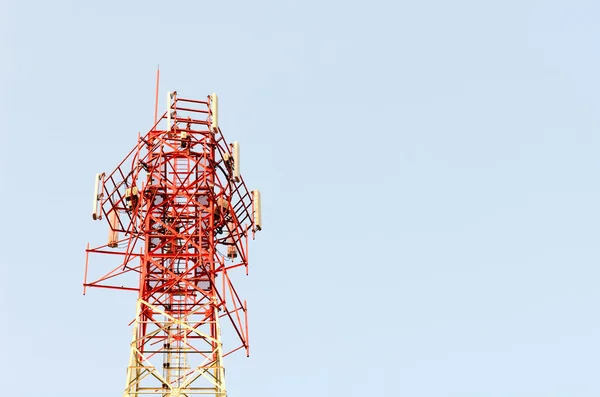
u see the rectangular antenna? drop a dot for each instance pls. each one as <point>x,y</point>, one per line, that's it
<point>236,161</point>
<point>96,209</point>
<point>256,210</point>
<point>169,96</point>
<point>113,234</point>
<point>214,110</point>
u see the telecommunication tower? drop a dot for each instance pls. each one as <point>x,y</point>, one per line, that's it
<point>179,219</point>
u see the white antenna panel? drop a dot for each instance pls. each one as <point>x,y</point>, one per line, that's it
<point>96,209</point>
<point>236,161</point>
<point>214,110</point>
<point>256,210</point>
<point>169,97</point>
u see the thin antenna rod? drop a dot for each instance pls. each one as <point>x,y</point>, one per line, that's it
<point>156,100</point>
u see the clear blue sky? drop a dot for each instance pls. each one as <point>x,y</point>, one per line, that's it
<point>429,171</point>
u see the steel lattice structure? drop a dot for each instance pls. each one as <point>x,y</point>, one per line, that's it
<point>179,217</point>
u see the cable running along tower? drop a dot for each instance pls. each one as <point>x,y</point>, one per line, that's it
<point>179,219</point>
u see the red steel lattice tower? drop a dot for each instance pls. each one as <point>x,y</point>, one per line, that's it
<point>179,217</point>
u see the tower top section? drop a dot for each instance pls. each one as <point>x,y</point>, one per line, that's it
<point>185,141</point>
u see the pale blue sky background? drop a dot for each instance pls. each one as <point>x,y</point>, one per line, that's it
<point>429,174</point>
